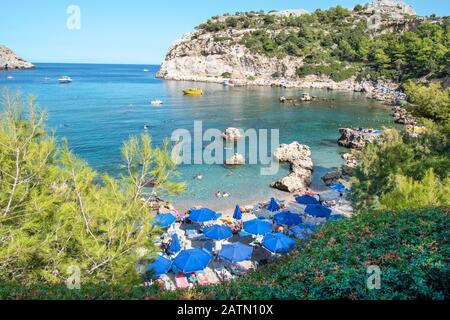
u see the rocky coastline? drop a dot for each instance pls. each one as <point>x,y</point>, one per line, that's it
<point>11,61</point>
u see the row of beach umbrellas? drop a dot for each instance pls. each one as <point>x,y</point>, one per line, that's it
<point>193,260</point>
<point>313,208</point>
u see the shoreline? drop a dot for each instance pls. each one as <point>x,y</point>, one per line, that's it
<point>383,90</point>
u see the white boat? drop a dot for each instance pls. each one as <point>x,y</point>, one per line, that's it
<point>65,79</point>
<point>156,102</point>
<point>146,70</point>
<point>10,77</point>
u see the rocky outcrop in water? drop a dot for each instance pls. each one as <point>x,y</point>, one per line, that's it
<point>232,134</point>
<point>342,173</point>
<point>299,157</point>
<point>10,61</point>
<point>236,160</point>
<point>356,139</point>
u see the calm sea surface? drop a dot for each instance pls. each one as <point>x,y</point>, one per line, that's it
<point>106,104</point>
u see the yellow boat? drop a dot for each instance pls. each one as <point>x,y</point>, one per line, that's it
<point>193,92</point>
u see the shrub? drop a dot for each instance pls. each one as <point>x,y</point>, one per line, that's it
<point>277,74</point>
<point>409,193</point>
<point>430,102</point>
<point>226,75</point>
<point>57,212</point>
<point>410,247</point>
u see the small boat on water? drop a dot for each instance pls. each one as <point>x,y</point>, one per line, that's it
<point>10,77</point>
<point>146,70</point>
<point>65,79</point>
<point>193,92</point>
<point>156,102</point>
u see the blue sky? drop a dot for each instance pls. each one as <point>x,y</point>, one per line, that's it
<point>132,31</point>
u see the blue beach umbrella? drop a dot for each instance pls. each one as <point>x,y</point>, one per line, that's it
<point>339,187</point>
<point>257,227</point>
<point>274,206</point>
<point>202,215</point>
<point>159,267</point>
<point>335,217</point>
<point>288,218</point>
<point>307,200</point>
<point>236,252</point>
<point>302,231</point>
<point>318,211</point>
<point>237,213</point>
<point>278,243</point>
<point>192,260</point>
<point>175,245</point>
<point>217,232</point>
<point>164,220</point>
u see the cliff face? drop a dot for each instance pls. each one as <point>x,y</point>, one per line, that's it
<point>10,61</point>
<point>198,56</point>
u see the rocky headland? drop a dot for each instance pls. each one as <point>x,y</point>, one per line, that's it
<point>357,138</point>
<point>217,51</point>
<point>11,61</point>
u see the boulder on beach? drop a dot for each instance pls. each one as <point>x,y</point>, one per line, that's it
<point>403,116</point>
<point>357,139</point>
<point>343,172</point>
<point>232,134</point>
<point>299,157</point>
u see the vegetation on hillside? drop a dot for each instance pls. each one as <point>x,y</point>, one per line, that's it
<point>401,171</point>
<point>58,215</point>
<point>337,38</point>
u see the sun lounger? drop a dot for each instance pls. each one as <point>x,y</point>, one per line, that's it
<point>194,235</point>
<point>223,274</point>
<point>181,281</point>
<point>202,279</point>
<point>212,277</point>
<point>245,266</point>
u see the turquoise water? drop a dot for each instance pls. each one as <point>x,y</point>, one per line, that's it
<point>107,103</point>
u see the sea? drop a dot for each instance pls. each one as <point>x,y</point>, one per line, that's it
<point>106,104</point>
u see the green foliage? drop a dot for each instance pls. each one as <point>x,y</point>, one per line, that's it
<point>399,155</point>
<point>57,212</point>
<point>277,74</point>
<point>408,193</point>
<point>413,170</point>
<point>335,71</point>
<point>226,75</point>
<point>410,247</point>
<point>430,102</point>
<point>340,35</point>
